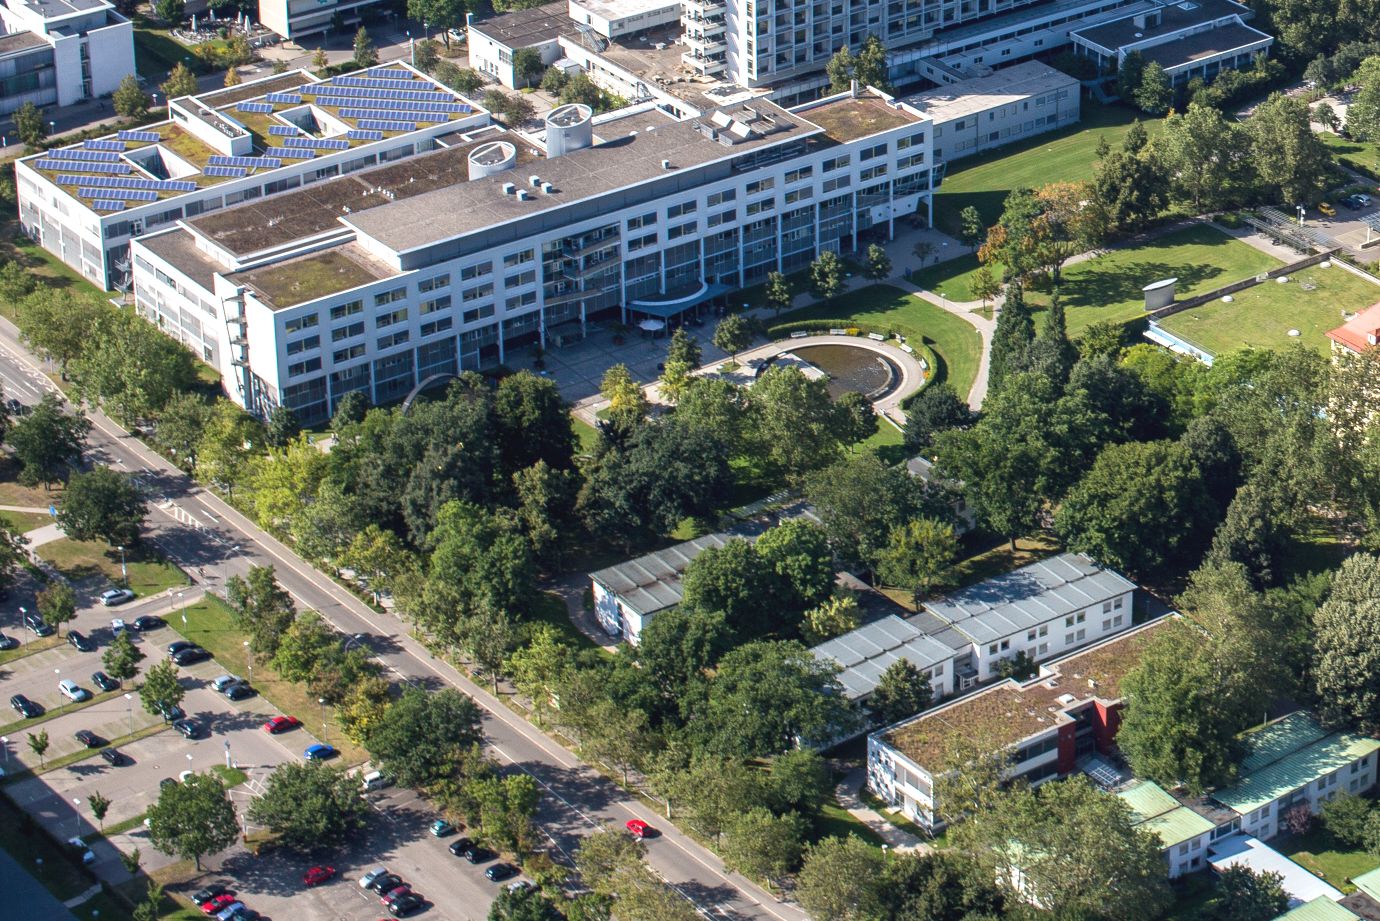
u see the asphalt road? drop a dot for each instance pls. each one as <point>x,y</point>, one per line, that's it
<point>213,541</point>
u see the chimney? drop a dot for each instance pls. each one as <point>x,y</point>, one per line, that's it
<point>853,87</point>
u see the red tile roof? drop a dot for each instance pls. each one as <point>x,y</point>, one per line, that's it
<point>1355,333</point>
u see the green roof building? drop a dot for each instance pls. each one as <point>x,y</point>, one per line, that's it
<point>1183,833</point>
<point>1320,909</point>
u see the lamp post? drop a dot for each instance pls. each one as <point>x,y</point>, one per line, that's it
<point>1300,210</point>
<point>129,704</point>
<point>76,817</point>
<point>322,702</point>
<point>5,746</point>
<point>178,607</point>
<point>124,572</point>
<point>249,657</point>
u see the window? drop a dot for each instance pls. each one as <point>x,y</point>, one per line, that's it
<point>348,331</point>
<point>796,175</point>
<point>873,172</point>
<point>681,230</point>
<point>1116,621</point>
<point>1082,634</point>
<point>436,326</point>
<point>398,338</point>
<point>723,217</point>
<point>301,323</point>
<point>1044,630</point>
<point>1068,639</point>
<point>475,293</point>
<point>646,220</point>
<point>761,185</point>
<point>1116,605</point>
<point>992,650</point>
<point>1005,645</point>
<point>1030,637</point>
<point>906,143</point>
<point>354,351</point>
<point>642,242</point>
<point>1082,616</point>
<point>685,207</point>
<point>474,271</point>
<point>873,152</point>
<point>1068,621</point>
<point>1106,625</point>
<point>479,313</point>
<point>298,346</point>
<point>801,194</point>
<point>303,367</point>
<point>1044,649</point>
<point>518,279</point>
<point>718,198</point>
<point>1106,607</point>
<point>388,297</point>
<point>519,301</point>
<point>837,163</point>
<point>435,304</point>
<point>513,259</point>
<point>341,311</point>
<point>431,284</point>
<point>757,207</point>
<point>388,319</point>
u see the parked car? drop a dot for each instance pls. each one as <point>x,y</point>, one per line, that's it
<point>80,846</point>
<point>478,854</point>
<point>460,845</point>
<point>113,757</point>
<point>367,880</point>
<point>240,691</point>
<point>189,728</point>
<point>73,691</point>
<point>190,656</point>
<point>104,681</point>
<point>218,903</point>
<point>37,624</point>
<point>279,724</point>
<point>499,872</point>
<point>89,738</point>
<point>242,914</point>
<point>8,642</point>
<point>397,892</point>
<point>175,648</point>
<point>440,828</point>
<point>405,905</point>
<point>1326,209</point>
<point>147,622</point>
<point>385,882</point>
<point>1362,199</point>
<point>80,641</point>
<point>117,626</point>
<point>320,752</point>
<point>640,829</point>
<point>116,596</point>
<point>26,708</point>
<point>231,912</point>
<point>171,713</point>
<point>224,681</point>
<point>521,885</point>
<point>317,875</point>
<point>209,892</point>
<point>166,782</point>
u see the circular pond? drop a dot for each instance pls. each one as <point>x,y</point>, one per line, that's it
<point>850,368</point>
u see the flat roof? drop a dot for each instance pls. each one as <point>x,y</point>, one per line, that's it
<point>852,118</point>
<point>178,248</point>
<point>1300,884</point>
<point>1201,45</point>
<point>622,9</point>
<point>317,208</point>
<point>51,9</point>
<point>1322,908</point>
<point>20,41</point>
<point>611,163</point>
<point>978,94</point>
<point>1286,755</point>
<point>1174,17</point>
<point>1162,815</point>
<point>306,278</point>
<point>1031,595</point>
<point>525,28</point>
<point>1353,332</point>
<point>866,653</point>
<point>1009,712</point>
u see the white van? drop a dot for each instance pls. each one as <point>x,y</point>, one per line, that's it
<point>376,780</point>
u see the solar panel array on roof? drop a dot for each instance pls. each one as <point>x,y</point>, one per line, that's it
<point>290,153</point>
<point>405,82</point>
<point>103,145</point>
<point>128,182</point>
<point>382,124</point>
<point>107,204</point>
<point>261,108</point>
<point>89,156</point>
<point>284,98</point>
<point>230,172</point>
<point>386,92</point>
<point>332,144</point>
<point>283,130</point>
<point>126,194</point>
<point>246,162</point>
<point>396,72</point>
<point>81,167</point>
<point>396,105</point>
<point>361,134</point>
<point>142,136</point>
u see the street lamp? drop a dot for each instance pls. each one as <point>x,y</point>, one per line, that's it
<point>249,655</point>
<point>124,573</point>
<point>5,746</point>
<point>76,818</point>
<point>178,606</point>
<point>322,702</point>
<point>129,703</point>
<point>1300,209</point>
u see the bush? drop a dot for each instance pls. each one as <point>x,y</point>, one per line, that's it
<point>1345,817</point>
<point>1299,819</point>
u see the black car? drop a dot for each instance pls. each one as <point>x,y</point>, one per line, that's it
<point>190,729</point>
<point>386,883</point>
<point>175,648</point>
<point>166,782</point>
<point>104,681</point>
<point>89,738</point>
<point>190,656</point>
<point>113,756</point>
<point>240,691</point>
<point>147,622</point>
<point>38,625</point>
<point>245,914</point>
<point>25,707</point>
<point>172,714</point>
<point>80,641</point>
<point>8,642</point>
<point>478,854</point>
<point>209,893</point>
<point>405,905</point>
<point>499,872</point>
<point>460,845</point>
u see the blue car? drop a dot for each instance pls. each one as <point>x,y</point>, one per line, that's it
<point>319,752</point>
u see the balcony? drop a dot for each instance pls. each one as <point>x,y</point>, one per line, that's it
<point>701,45</point>
<point>576,250</point>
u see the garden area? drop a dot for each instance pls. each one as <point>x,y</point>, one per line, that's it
<point>1313,301</point>
<point>80,560</point>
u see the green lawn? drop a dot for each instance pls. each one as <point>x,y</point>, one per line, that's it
<point>1261,317</point>
<point>1359,155</point>
<point>149,573</point>
<point>836,822</point>
<point>1060,156</point>
<point>953,278</point>
<point>1319,852</point>
<point>23,522</point>
<point>586,434</point>
<point>956,344</point>
<point>1108,287</point>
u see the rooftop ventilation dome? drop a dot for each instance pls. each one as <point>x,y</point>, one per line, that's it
<point>495,157</point>
<point>569,128</point>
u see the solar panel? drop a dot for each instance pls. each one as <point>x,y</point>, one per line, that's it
<point>392,72</point>
<point>232,172</point>
<point>104,145</point>
<point>290,153</point>
<point>81,166</point>
<point>282,130</point>
<point>284,98</point>
<point>386,125</point>
<point>245,162</point>
<point>261,108</point>
<point>332,144</point>
<point>90,156</point>
<point>359,134</point>
<point>107,204</point>
<point>146,136</point>
<point>178,185</point>
<point>299,142</point>
<point>140,195</point>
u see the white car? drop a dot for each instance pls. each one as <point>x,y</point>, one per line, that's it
<point>117,626</point>
<point>372,875</point>
<point>116,596</point>
<point>224,681</point>
<point>87,855</point>
<point>72,691</point>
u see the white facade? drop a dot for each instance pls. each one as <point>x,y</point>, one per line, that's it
<point>295,19</point>
<point>617,18</point>
<point>492,42</point>
<point>89,49</point>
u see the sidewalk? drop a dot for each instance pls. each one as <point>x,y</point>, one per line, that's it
<point>897,839</point>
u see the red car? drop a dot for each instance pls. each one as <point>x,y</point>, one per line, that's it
<point>640,829</point>
<point>317,875</point>
<point>281,724</point>
<point>392,894</point>
<point>217,902</point>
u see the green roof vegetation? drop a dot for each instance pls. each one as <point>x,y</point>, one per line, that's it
<point>286,284</point>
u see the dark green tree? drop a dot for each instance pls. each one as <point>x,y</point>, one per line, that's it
<point>1155,94</point>
<point>47,440</point>
<point>161,691</point>
<point>733,334</point>
<point>902,692</point>
<point>121,658</point>
<point>181,82</point>
<point>424,736</point>
<point>57,604</point>
<point>30,125</point>
<point>936,409</point>
<point>193,818</point>
<point>310,806</point>
<point>826,275</point>
<point>102,504</point>
<point>366,55</point>
<point>262,608</point>
<point>282,427</point>
<point>129,99</point>
<point>1245,895</point>
<point>1012,340</point>
<point>1346,664</point>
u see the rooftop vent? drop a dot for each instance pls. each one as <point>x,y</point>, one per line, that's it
<point>508,188</point>
<point>522,195</point>
<point>665,164</point>
<point>547,188</point>
<point>535,181</point>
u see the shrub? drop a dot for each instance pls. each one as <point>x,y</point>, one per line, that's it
<point>1345,816</point>
<point>1298,819</point>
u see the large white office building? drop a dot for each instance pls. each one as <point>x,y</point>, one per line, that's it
<point>57,52</point>
<point>437,248</point>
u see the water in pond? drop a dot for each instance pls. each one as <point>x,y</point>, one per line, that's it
<point>850,368</point>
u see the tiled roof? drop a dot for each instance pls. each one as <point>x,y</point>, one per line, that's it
<point>1353,332</point>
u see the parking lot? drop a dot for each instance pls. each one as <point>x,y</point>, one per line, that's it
<point>1349,226</point>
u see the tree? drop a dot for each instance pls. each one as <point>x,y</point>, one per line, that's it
<point>627,403</point>
<point>798,426</point>
<point>100,805</point>
<point>936,409</point>
<point>181,82</point>
<point>365,54</point>
<point>522,905</point>
<point>58,323</point>
<point>170,11</point>
<point>281,427</point>
<point>151,909</point>
<point>733,334</point>
<point>226,445</point>
<point>840,70</point>
<point>800,780</point>
<point>1206,156</point>
<point>553,81</point>
<point>310,806</point>
<point>363,707</point>
<point>1130,75</point>
<point>440,14</point>
<point>902,692</point>
<point>971,231</point>
<point>30,125</point>
<point>831,618</point>
<point>121,658</point>
<point>985,284</point>
<point>764,846</point>
<point>605,855</point>
<point>57,604</point>
<point>769,696</point>
<point>424,735</point>
<point>1155,94</point>
<point>161,691</point>
<point>580,88</point>
<point>918,556</point>
<point>1245,895</point>
<point>232,76</point>
<point>778,294</point>
<point>1346,665</point>
<point>527,65</point>
<point>129,98</point>
<point>1257,532</point>
<point>826,275</point>
<point>427,54</point>
<point>840,879</point>
<point>1345,817</point>
<point>181,425</point>
<point>1291,160</point>
<point>130,861</point>
<point>1012,339</point>
<point>193,818</point>
<point>46,440</point>
<point>735,580</point>
<point>261,607</point>
<point>878,264</point>
<point>1131,184</point>
<point>797,551</point>
<point>12,555</point>
<point>859,500</point>
<point>480,560</point>
<point>137,372</point>
<point>38,744</point>
<point>102,504</point>
<point>319,60</point>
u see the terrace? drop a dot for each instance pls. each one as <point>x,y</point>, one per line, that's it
<point>296,281</point>
<point>849,119</point>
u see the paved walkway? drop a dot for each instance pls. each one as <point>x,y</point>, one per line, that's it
<point>898,839</point>
<point>44,535</point>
